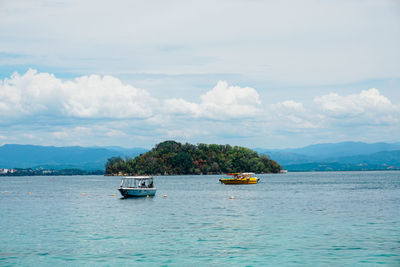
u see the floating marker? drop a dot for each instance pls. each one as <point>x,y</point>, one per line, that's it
<point>232,197</point>
<point>83,194</point>
<point>147,196</point>
<point>113,195</point>
<point>165,195</point>
<point>29,193</point>
<point>6,192</point>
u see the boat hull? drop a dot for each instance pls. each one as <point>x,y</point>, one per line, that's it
<point>137,192</point>
<point>239,181</point>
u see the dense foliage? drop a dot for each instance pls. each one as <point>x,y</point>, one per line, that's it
<point>170,157</point>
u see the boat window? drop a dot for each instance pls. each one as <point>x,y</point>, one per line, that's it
<point>141,182</point>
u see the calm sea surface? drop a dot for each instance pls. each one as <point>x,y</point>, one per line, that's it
<point>329,218</point>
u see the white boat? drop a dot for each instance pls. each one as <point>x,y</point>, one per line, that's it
<point>137,186</point>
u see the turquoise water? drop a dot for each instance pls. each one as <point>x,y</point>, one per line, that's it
<point>330,218</point>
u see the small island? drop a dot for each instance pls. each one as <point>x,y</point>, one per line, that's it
<point>174,158</point>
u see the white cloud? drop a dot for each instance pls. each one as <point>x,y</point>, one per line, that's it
<point>84,97</point>
<point>31,93</point>
<point>335,113</point>
<point>292,115</point>
<point>108,107</point>
<point>106,97</point>
<point>182,134</point>
<point>181,106</point>
<point>369,106</point>
<point>60,134</point>
<point>221,102</point>
<point>289,106</point>
<point>115,133</point>
<point>29,136</point>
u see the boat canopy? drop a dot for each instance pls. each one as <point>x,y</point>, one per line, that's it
<point>242,174</point>
<point>248,174</point>
<point>137,182</point>
<point>138,177</point>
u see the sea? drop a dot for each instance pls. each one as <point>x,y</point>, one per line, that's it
<point>309,219</point>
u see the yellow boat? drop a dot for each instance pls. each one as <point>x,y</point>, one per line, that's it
<point>240,178</point>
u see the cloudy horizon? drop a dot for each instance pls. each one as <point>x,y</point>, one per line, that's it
<point>249,73</point>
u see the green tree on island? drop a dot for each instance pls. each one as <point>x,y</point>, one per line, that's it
<point>173,158</point>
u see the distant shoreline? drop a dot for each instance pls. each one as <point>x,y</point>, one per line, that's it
<point>48,172</point>
<point>101,173</point>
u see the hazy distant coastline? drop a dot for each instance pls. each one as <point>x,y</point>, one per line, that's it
<point>47,172</point>
<point>344,156</point>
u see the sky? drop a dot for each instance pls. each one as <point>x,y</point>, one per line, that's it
<point>260,74</point>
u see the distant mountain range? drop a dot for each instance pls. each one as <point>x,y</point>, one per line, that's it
<point>338,156</point>
<point>320,157</point>
<point>50,157</point>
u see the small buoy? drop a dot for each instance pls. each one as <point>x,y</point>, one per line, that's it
<point>29,193</point>
<point>147,196</point>
<point>113,195</point>
<point>165,195</point>
<point>232,197</point>
<point>6,192</point>
<point>83,194</point>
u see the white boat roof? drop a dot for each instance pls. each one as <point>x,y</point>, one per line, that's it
<point>137,177</point>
